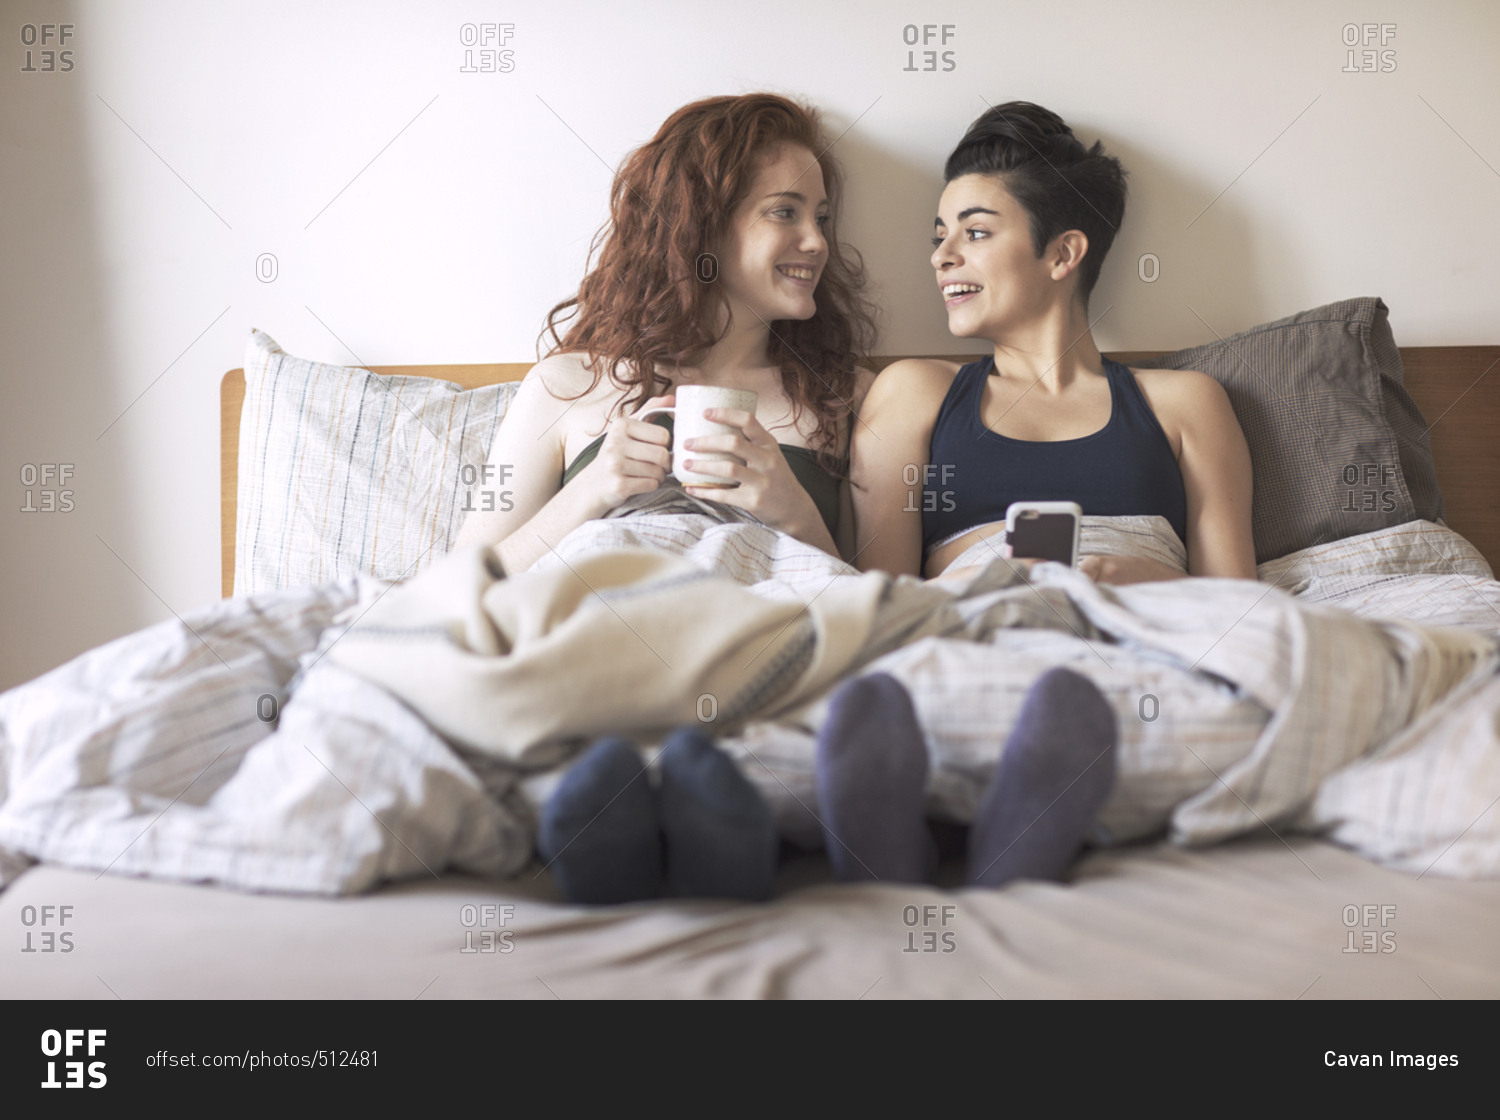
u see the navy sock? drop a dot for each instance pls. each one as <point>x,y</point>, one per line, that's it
<point>720,836</point>
<point>600,831</point>
<point>872,784</point>
<point>1054,775</point>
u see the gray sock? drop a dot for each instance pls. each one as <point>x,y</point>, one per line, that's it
<point>872,784</point>
<point>600,833</point>
<point>1054,775</point>
<point>720,836</point>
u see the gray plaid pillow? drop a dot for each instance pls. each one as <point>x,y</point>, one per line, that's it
<point>1337,445</point>
<point>344,470</point>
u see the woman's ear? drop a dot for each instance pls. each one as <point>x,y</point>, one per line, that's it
<point>1068,250</point>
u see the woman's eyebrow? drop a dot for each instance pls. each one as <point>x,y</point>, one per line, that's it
<point>795,196</point>
<point>969,213</point>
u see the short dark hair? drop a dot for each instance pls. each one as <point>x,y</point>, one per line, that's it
<point>1059,183</point>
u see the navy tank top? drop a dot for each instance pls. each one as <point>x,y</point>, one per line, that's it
<point>1127,467</point>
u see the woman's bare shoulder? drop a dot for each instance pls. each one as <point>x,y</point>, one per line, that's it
<point>1183,400</point>
<point>1177,380</point>
<point>567,375</point>
<point>913,381</point>
<point>903,401</point>
<point>864,377</point>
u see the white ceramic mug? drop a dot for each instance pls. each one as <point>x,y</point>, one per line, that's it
<point>689,423</point>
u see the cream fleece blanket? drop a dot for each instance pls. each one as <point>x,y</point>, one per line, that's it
<point>631,640</point>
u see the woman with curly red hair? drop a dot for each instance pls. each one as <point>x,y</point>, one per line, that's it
<point>719,266</point>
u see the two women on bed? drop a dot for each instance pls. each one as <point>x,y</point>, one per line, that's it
<point>721,236</point>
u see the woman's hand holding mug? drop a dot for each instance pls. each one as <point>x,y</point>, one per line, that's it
<point>723,453</point>
<point>720,452</point>
<point>633,459</point>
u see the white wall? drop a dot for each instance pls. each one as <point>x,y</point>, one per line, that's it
<point>130,241</point>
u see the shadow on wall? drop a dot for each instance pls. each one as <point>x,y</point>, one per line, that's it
<point>888,218</point>
<point>63,590</point>
<point>1189,263</point>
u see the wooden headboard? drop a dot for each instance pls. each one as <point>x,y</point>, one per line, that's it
<point>1456,387</point>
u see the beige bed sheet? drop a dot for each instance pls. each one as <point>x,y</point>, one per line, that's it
<point>1256,918</point>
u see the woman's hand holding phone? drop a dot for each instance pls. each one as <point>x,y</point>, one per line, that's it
<point>1043,531</point>
<point>1126,569</point>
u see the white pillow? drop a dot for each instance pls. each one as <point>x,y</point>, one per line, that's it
<point>343,470</point>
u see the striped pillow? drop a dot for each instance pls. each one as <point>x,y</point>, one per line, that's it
<point>1337,446</point>
<point>343,470</point>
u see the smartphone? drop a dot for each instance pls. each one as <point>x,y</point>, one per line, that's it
<point>1043,531</point>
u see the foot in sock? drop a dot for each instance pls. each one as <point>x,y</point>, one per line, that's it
<point>872,784</point>
<point>1057,768</point>
<point>721,839</point>
<point>600,831</point>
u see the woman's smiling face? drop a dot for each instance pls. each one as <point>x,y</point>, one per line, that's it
<point>987,268</point>
<point>775,250</point>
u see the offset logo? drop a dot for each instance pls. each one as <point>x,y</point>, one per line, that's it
<point>49,37</point>
<point>1370,60</point>
<point>52,496</point>
<point>925,36</point>
<point>470,473</point>
<point>66,1044</point>
<point>45,940</point>
<point>490,39</point>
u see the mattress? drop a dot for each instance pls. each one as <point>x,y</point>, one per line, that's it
<point>1254,918</point>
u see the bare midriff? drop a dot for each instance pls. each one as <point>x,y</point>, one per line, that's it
<point>943,555</point>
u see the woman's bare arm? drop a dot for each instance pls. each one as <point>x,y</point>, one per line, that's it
<point>844,538</point>
<point>522,478</point>
<point>888,453</point>
<point>1214,460</point>
<point>532,509</point>
<point>1217,476</point>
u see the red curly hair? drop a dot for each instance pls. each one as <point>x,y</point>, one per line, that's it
<point>644,303</point>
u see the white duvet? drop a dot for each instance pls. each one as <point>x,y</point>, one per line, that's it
<point>1352,692</point>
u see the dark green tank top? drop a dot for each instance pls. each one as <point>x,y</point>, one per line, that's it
<point>820,485</point>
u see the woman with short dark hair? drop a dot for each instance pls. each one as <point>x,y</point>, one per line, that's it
<point>1024,223</point>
